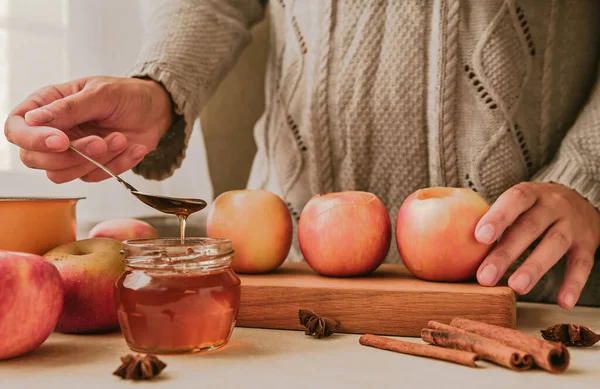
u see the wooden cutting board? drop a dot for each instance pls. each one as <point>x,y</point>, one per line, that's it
<point>388,302</point>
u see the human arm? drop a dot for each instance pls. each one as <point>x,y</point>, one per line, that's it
<point>559,207</point>
<point>190,46</point>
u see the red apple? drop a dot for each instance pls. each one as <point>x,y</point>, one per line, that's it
<point>89,269</point>
<point>435,233</point>
<point>123,229</point>
<point>345,233</point>
<point>31,299</point>
<point>259,225</point>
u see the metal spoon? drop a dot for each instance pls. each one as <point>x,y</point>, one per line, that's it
<point>171,205</point>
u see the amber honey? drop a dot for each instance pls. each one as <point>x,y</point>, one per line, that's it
<point>178,303</point>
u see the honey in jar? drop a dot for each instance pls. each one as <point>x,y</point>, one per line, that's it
<point>177,297</point>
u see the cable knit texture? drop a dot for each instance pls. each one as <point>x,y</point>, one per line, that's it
<point>390,96</point>
<point>374,89</point>
<point>448,90</point>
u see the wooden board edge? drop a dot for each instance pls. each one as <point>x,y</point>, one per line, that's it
<point>280,312</point>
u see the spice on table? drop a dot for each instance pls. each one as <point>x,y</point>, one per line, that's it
<point>488,349</point>
<point>139,367</point>
<point>317,325</point>
<point>576,335</point>
<point>550,356</point>
<point>460,357</point>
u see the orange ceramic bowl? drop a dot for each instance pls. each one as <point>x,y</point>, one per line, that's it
<point>36,225</point>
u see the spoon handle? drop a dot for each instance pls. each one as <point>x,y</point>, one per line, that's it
<point>127,185</point>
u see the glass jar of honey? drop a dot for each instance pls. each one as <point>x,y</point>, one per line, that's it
<point>175,297</point>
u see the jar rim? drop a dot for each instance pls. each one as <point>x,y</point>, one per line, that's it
<point>172,242</point>
<point>194,254</point>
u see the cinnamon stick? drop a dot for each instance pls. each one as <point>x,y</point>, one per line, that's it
<point>551,356</point>
<point>488,349</point>
<point>456,356</point>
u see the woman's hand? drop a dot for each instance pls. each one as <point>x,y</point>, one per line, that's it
<point>115,120</point>
<point>566,222</point>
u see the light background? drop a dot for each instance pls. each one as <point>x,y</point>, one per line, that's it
<point>50,41</point>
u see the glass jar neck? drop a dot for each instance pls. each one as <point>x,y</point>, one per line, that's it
<point>170,254</point>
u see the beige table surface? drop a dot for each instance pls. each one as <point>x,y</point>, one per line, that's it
<point>258,358</point>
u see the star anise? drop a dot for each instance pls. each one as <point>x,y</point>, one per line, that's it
<point>317,325</point>
<point>139,367</point>
<point>571,335</point>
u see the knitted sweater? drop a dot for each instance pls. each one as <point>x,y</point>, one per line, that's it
<point>391,96</point>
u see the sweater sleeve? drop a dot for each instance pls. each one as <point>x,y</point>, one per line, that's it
<point>577,161</point>
<point>189,48</point>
